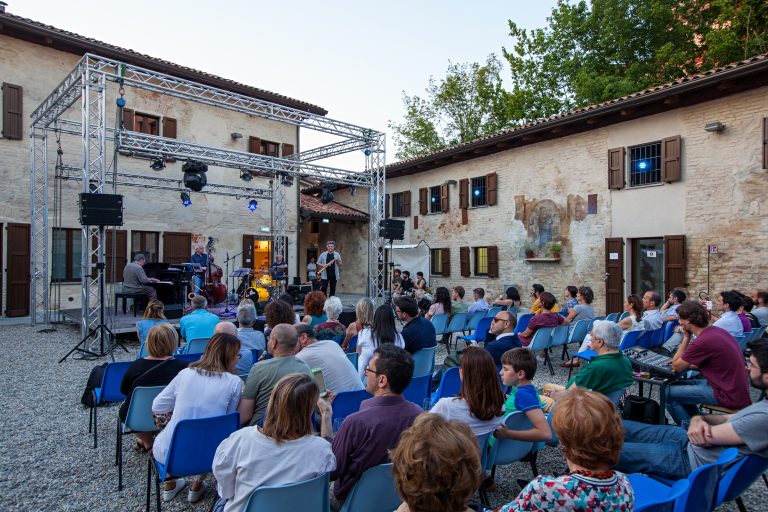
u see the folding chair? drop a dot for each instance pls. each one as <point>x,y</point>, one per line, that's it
<point>108,391</point>
<point>522,323</point>
<point>480,334</point>
<point>353,358</point>
<point>310,494</point>
<point>374,492</point>
<point>492,312</point>
<point>482,444</point>
<point>418,390</point>
<point>352,345</point>
<point>189,358</point>
<point>196,346</point>
<point>424,361</point>
<point>457,323</point>
<point>138,419</point>
<point>541,341</point>
<point>507,451</point>
<point>346,403</point>
<point>665,502</point>
<point>628,341</point>
<point>738,478</point>
<point>440,323</point>
<point>472,321</point>
<point>560,339</point>
<point>669,329</point>
<point>578,332</point>
<point>450,384</point>
<point>613,317</point>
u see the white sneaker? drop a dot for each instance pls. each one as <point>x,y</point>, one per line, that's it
<point>194,496</point>
<point>168,495</point>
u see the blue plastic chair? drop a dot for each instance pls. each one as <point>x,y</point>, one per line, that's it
<point>440,323</point>
<point>456,325</point>
<point>669,329</point>
<point>108,391</point>
<point>374,492</point>
<point>418,389</point>
<point>507,451</point>
<point>560,338</point>
<point>310,494</point>
<point>196,346</point>
<point>450,384</point>
<point>142,351</point>
<point>492,312</point>
<point>742,341</point>
<point>424,361</point>
<point>563,312</point>
<point>579,331</point>
<point>738,477</point>
<point>482,444</point>
<point>615,396</point>
<point>613,317</point>
<point>189,358</point>
<point>522,322</point>
<point>650,339</point>
<point>138,419</point>
<point>472,321</point>
<point>193,445</point>
<point>542,340</point>
<point>255,353</point>
<point>352,345</point>
<point>346,403</point>
<point>353,357</point>
<point>665,502</point>
<point>624,315</point>
<point>481,331</point>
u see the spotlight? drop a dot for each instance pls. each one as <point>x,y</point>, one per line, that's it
<point>326,196</point>
<point>367,151</point>
<point>194,175</point>
<point>246,175</point>
<point>286,180</point>
<point>185,200</point>
<point>252,205</point>
<point>157,164</point>
<point>714,127</point>
<point>326,221</point>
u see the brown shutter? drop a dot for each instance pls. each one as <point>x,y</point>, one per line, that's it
<point>670,159</point>
<point>446,270</point>
<point>464,193</point>
<point>407,203</point>
<point>423,201</point>
<point>490,184</point>
<point>444,203</point>
<point>169,127</point>
<point>129,120</point>
<point>493,261</point>
<point>386,205</point>
<point>464,217</point>
<point>248,251</point>
<point>464,261</point>
<point>254,145</point>
<point>287,150</point>
<point>13,111</point>
<point>765,143</point>
<point>17,270</point>
<point>616,168</point>
<point>674,263</point>
<point>415,222</point>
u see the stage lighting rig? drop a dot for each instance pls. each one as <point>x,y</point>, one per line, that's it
<point>252,205</point>
<point>185,200</point>
<point>157,164</point>
<point>194,175</point>
<point>326,196</point>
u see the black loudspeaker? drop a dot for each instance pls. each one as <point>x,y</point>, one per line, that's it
<point>392,229</point>
<point>101,209</point>
<point>173,311</point>
<point>347,317</point>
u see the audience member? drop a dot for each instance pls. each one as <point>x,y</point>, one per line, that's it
<point>363,320</point>
<point>442,305</point>
<point>153,315</point>
<point>651,315</point>
<point>478,302</point>
<point>518,367</point>
<point>633,305</point>
<point>199,323</point>
<point>397,280</point>
<point>727,304</point>
<point>719,359</point>
<point>245,357</point>
<point>290,300</point>
<point>421,283</point>
<point>480,402</point>
<point>332,329</point>
<point>669,309</point>
<point>277,312</point>
<point>418,332</point>
<point>423,300</point>
<point>547,318</point>
<point>366,437</point>
<point>510,299</point>
<point>590,434</point>
<point>249,337</point>
<point>313,308</point>
<point>583,309</point>
<point>406,284</point>
<point>570,297</point>
<point>436,466</point>
<point>382,332</point>
<point>746,311</point>
<point>206,388</point>
<point>760,298</point>
<point>158,368</point>
<point>283,452</point>
<point>263,376</point>
<point>536,307</point>
<point>503,327</point>
<point>457,300</point>
<point>327,355</point>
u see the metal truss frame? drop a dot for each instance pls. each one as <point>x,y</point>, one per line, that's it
<point>88,81</point>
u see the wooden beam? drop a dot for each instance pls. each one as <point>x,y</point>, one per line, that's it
<point>672,100</point>
<point>593,120</point>
<point>627,112</point>
<point>724,86</point>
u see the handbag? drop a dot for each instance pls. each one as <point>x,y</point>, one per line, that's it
<point>641,409</point>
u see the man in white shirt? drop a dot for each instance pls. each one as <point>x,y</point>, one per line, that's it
<point>728,303</point>
<point>760,311</point>
<point>669,309</point>
<point>651,314</point>
<point>338,373</point>
<point>479,304</point>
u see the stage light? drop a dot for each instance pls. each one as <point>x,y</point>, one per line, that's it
<point>434,199</point>
<point>477,192</point>
<point>252,205</point>
<point>246,175</point>
<point>185,200</point>
<point>326,195</point>
<point>367,151</point>
<point>286,180</point>
<point>326,221</point>
<point>194,175</point>
<point>157,164</point>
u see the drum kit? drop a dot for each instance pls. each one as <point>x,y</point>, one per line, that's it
<point>256,285</point>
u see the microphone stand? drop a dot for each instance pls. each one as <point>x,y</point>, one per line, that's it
<point>226,262</point>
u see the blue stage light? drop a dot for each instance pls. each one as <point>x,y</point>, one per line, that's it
<point>252,205</point>
<point>642,165</point>
<point>185,200</point>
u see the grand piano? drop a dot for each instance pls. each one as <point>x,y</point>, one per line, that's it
<point>174,281</point>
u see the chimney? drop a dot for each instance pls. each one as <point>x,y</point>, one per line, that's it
<point>2,7</point>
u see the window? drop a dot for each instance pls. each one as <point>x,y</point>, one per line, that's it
<point>270,148</point>
<point>437,261</point>
<point>397,205</point>
<point>479,191</point>
<point>145,123</point>
<point>481,261</point>
<point>147,243</point>
<point>314,227</point>
<point>66,255</point>
<point>645,164</point>
<point>434,200</point>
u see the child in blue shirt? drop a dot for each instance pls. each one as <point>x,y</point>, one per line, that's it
<point>518,367</point>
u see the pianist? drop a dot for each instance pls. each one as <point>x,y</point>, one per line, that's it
<point>135,280</point>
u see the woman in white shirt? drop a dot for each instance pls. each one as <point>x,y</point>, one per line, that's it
<point>283,451</point>
<point>383,331</point>
<point>206,388</point>
<point>480,402</point>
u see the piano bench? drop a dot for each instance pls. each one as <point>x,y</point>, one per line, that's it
<point>138,299</point>
<point>718,408</point>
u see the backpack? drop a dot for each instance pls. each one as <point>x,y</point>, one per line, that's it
<point>94,381</point>
<point>640,408</point>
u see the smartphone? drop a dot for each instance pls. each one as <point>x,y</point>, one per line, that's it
<point>317,374</point>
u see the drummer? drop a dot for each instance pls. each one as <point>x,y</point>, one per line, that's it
<point>279,270</point>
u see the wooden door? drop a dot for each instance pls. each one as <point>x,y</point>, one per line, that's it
<point>247,257</point>
<point>17,280</point>
<point>177,247</point>
<point>614,275</point>
<point>674,263</point>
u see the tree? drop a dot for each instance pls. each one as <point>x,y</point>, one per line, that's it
<point>468,103</point>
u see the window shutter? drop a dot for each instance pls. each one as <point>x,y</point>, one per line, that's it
<point>490,184</point>
<point>169,127</point>
<point>464,217</point>
<point>13,111</point>
<point>386,206</point>
<point>464,261</point>
<point>674,263</point>
<point>444,203</point>
<point>423,201</point>
<point>446,269</point>
<point>287,150</point>
<point>129,120</point>
<point>493,261</point>
<point>464,194</point>
<point>415,222</point>
<point>254,145</point>
<point>765,143</point>
<point>670,159</point>
<point>616,168</point>
<point>407,203</point>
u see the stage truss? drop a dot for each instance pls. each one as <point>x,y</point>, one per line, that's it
<point>88,83</point>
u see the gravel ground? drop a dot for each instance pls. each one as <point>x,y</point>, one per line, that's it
<point>48,462</point>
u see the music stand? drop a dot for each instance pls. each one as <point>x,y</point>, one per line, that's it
<point>239,273</point>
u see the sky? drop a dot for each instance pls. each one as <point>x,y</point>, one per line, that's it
<point>353,58</point>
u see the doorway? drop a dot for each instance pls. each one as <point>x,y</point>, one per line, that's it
<point>17,268</point>
<point>647,265</point>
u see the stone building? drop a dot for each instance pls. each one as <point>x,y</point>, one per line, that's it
<point>633,192</point>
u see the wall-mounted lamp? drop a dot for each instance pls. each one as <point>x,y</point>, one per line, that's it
<point>450,182</point>
<point>236,135</point>
<point>714,127</point>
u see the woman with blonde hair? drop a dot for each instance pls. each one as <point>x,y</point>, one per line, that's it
<point>436,465</point>
<point>591,435</point>
<point>154,314</point>
<point>283,451</point>
<point>364,310</point>
<point>206,388</point>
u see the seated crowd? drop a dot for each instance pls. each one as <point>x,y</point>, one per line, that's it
<point>435,454</point>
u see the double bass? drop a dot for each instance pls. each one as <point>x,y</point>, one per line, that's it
<point>215,290</point>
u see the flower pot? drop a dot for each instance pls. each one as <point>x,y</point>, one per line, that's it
<point>556,255</point>
<point>529,254</point>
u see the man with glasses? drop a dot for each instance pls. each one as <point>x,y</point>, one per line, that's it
<point>418,332</point>
<point>503,326</point>
<point>365,437</point>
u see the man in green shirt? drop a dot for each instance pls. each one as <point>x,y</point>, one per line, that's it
<point>457,300</point>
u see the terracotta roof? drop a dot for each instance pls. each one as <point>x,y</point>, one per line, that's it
<point>47,35</point>
<point>312,207</point>
<point>639,104</point>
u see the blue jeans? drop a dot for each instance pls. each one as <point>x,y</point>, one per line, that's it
<point>659,449</point>
<point>683,398</point>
